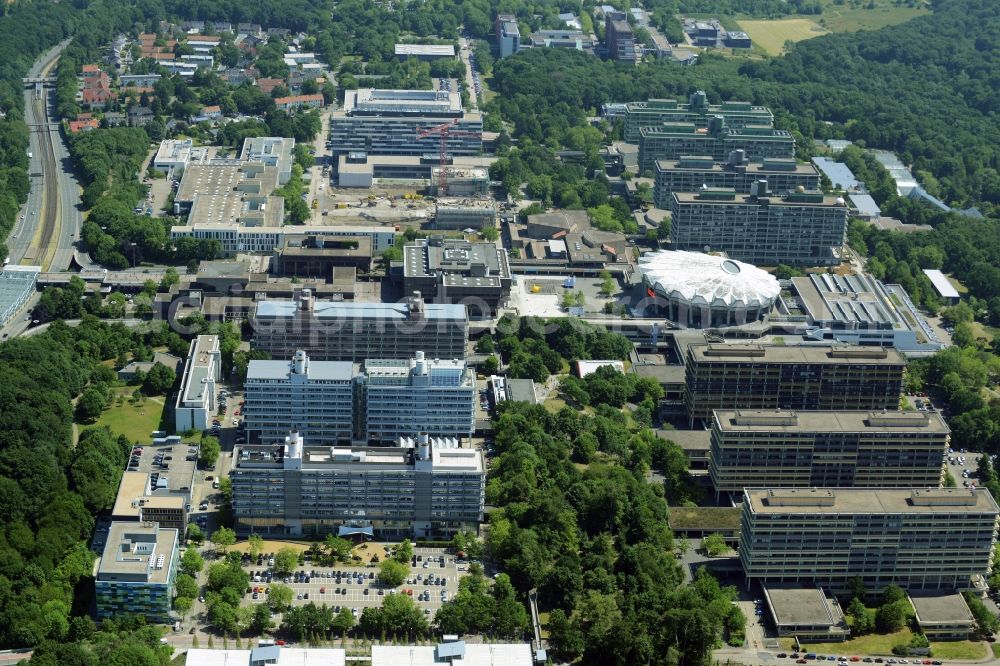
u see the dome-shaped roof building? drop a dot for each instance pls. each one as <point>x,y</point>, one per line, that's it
<point>706,291</point>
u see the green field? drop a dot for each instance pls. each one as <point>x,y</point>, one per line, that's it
<point>771,36</point>
<point>133,421</point>
<point>881,644</point>
<point>847,19</point>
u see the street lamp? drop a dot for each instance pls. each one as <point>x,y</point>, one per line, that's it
<point>133,254</point>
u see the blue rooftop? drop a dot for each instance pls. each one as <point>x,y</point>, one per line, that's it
<point>840,176</point>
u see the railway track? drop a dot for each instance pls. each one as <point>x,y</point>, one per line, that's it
<point>46,240</point>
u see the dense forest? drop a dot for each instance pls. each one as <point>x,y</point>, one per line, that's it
<point>579,521</point>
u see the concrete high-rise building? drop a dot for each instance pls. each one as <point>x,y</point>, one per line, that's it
<point>798,228</point>
<point>932,539</point>
<point>619,37</point>
<point>337,331</point>
<point>314,397</point>
<point>692,173</point>
<point>423,487</point>
<point>749,376</point>
<point>136,572</point>
<point>799,449</point>
<point>656,112</point>
<point>508,35</point>
<point>404,397</point>
<point>671,141</point>
<point>386,122</point>
<point>197,400</point>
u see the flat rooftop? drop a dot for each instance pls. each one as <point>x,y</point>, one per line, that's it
<point>704,517</point>
<point>468,263</point>
<point>444,455</point>
<point>133,553</point>
<point>841,177</point>
<point>379,102</point>
<point>731,197</point>
<point>225,177</point>
<point>944,607</point>
<point>286,656</point>
<point>661,372</point>
<point>427,50</point>
<point>836,355</point>
<point>200,367</point>
<point>857,299</point>
<point>870,501</point>
<point>455,654</point>
<point>768,166</point>
<point>133,485</point>
<point>746,420</point>
<point>315,370</point>
<point>801,606</point>
<point>233,208</point>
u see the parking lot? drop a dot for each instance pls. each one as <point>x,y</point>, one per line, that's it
<point>962,466</point>
<point>429,583</point>
<point>171,467</point>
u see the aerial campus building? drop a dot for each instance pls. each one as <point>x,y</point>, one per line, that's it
<point>197,401</point>
<point>402,397</point>
<point>453,270</point>
<point>751,376</point>
<point>136,571</point>
<point>619,37</point>
<point>656,112</point>
<point>424,487</point>
<point>918,539</point>
<point>707,291</point>
<point>337,331</point>
<point>671,141</point>
<point>824,449</point>
<point>330,402</point>
<point>799,228</point>
<point>314,397</point>
<point>692,173</point>
<point>507,34</point>
<point>386,122</point>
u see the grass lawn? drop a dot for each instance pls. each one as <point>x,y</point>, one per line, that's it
<point>959,650</point>
<point>772,35</point>
<point>134,421</point>
<point>543,619</point>
<point>996,649</point>
<point>875,644</point>
<point>847,19</point>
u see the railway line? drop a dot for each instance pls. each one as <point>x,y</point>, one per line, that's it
<point>44,243</point>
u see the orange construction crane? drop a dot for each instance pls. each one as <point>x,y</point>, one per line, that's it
<point>445,131</point>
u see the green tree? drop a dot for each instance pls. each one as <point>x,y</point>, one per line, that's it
<point>192,562</point>
<point>185,585</point>
<point>285,561</point>
<point>280,597</point>
<point>209,452</point>
<point>158,380</point>
<point>714,545</point>
<point>223,538</point>
<point>255,545</point>
<point>90,405</point>
<point>893,593</point>
<point>403,552</point>
<point>194,533</point>
<point>485,345</point>
<point>183,606</point>
<point>491,365</point>
<point>343,621</point>
<point>261,622</point>
<point>891,617</point>
<point>338,548</point>
<point>490,234</point>
<point>392,573</point>
<point>863,619</point>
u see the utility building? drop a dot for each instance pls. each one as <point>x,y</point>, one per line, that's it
<point>656,112</point>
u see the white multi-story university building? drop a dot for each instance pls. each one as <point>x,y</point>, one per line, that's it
<point>403,397</point>
<point>314,397</point>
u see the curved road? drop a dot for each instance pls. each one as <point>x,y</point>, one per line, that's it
<point>49,225</point>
